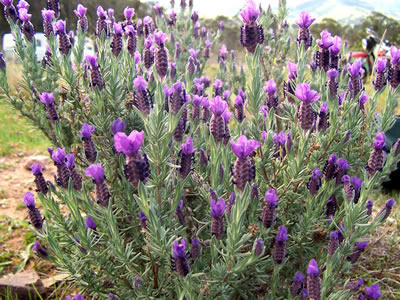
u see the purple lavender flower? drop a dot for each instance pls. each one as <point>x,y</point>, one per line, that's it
<point>217,222</point>
<point>40,250</point>
<point>335,52</point>
<point>356,183</point>
<point>203,158</point>
<point>64,41</point>
<point>48,16</point>
<point>63,173</point>
<point>217,123</point>
<point>258,247</point>
<point>332,84</point>
<point>41,185</point>
<point>48,100</point>
<point>333,243</point>
<point>10,11</point>
<point>129,12</point>
<point>331,206</point>
<point>221,26</point>
<point>23,4</point>
<point>243,169</point>
<point>117,44</point>
<point>279,246</point>
<point>297,284</point>
<point>148,54</point>
<point>27,27</point>
<point>96,78</point>
<point>137,168</point>
<point>292,68</point>
<point>239,108</point>
<point>129,145</point>
<point>143,220</point>
<point>223,52</point>
<point>118,126</point>
<point>358,250</point>
<point>180,261</point>
<point>363,99</point>
<point>314,182</point>
<point>186,157</point>
<point>196,248</point>
<point>330,167</point>
<point>342,166</point>
<point>387,209</point>
<point>355,70</point>
<point>381,78</point>
<point>313,281</point>
<point>369,206</point>
<point>268,216</point>
<point>142,96</point>
<point>372,292</point>
<point>394,78</point>
<point>270,89</point>
<point>132,41</point>
<point>376,158</point>
<point>251,33</point>
<point>97,173</point>
<point>323,56</point>
<point>161,54</point>
<point>88,145</point>
<point>304,22</point>
<point>306,112</point>
<point>80,12</point>
<point>89,223</point>
<point>323,117</point>
<point>33,213</point>
<point>76,178</point>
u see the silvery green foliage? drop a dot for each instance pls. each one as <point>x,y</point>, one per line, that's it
<point>131,256</point>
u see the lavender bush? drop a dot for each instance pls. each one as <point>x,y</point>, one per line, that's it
<point>160,193</point>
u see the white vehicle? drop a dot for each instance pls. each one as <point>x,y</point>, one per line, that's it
<point>41,42</point>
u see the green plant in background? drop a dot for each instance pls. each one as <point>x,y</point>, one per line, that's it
<point>172,202</point>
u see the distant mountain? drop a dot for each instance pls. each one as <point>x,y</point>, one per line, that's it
<point>345,11</point>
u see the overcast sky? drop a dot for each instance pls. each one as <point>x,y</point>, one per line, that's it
<point>212,8</point>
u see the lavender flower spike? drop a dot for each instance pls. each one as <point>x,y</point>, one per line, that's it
<point>63,173</point>
<point>387,209</point>
<point>314,182</point>
<point>88,145</point>
<point>217,123</point>
<point>179,259</point>
<point>90,224</point>
<point>297,284</point>
<point>196,248</point>
<point>313,281</point>
<point>258,247</point>
<point>142,96</point>
<point>243,169</point>
<point>41,184</point>
<point>377,157</point>
<point>186,157</point>
<point>306,113</point>
<point>47,16</point>
<point>97,173</point>
<point>381,78</point>
<point>373,292</point>
<point>48,100</point>
<point>118,126</point>
<point>217,222</point>
<point>304,22</point>
<point>161,54</point>
<point>64,42</point>
<point>251,33</point>
<point>359,249</point>
<point>268,216</point>
<point>355,72</point>
<point>279,246</point>
<point>33,212</point>
<point>96,78</point>
<point>80,12</point>
<point>137,168</point>
<point>40,250</point>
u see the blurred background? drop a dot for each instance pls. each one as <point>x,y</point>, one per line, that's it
<point>347,18</point>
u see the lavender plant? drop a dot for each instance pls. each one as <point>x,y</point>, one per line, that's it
<point>168,221</point>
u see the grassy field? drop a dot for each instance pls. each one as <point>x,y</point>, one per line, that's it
<point>17,134</point>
